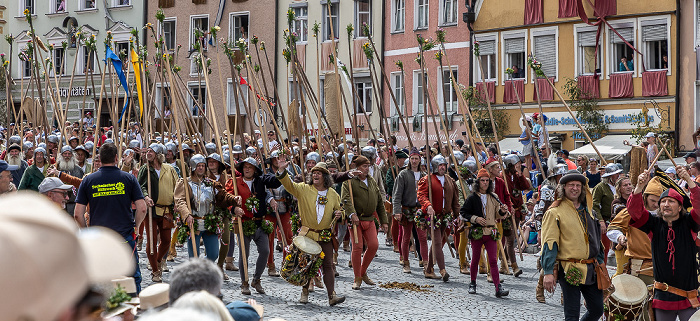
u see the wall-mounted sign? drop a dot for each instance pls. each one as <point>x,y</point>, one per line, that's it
<point>615,118</point>
<point>75,91</point>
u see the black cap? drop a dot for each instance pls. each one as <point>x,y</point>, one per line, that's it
<point>690,155</point>
<point>573,175</point>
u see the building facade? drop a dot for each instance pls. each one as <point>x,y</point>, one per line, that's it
<point>313,53</point>
<point>628,65</point>
<point>57,24</point>
<point>404,21</point>
<point>237,19</point>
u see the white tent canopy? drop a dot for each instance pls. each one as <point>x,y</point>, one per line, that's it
<point>510,144</point>
<point>611,147</point>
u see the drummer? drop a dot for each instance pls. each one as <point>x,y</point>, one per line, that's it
<point>319,205</point>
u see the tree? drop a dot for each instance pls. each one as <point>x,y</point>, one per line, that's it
<point>588,113</point>
<point>480,113</point>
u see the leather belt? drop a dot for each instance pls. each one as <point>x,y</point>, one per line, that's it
<point>583,261</point>
<point>692,295</point>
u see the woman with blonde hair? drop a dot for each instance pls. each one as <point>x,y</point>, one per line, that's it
<point>204,302</point>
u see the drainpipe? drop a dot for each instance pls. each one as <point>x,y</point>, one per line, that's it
<point>275,77</point>
<point>678,76</point>
<point>145,20</point>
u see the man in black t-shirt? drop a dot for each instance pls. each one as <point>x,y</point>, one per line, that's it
<point>110,193</point>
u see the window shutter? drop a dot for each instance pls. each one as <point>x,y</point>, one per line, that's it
<point>487,47</point>
<point>654,33</point>
<point>546,52</point>
<point>515,45</point>
<point>627,33</point>
<point>586,39</point>
<point>166,3</point>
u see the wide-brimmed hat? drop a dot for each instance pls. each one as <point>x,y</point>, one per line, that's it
<point>573,175</point>
<point>611,169</point>
<point>321,167</point>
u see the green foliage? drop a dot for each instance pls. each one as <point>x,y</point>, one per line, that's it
<point>480,113</point>
<point>588,113</point>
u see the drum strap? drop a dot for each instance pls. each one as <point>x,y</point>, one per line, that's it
<point>692,295</point>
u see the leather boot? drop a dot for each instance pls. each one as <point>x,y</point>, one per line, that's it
<point>539,290</point>
<point>224,274</point>
<point>346,246</point>
<point>318,281</point>
<point>464,269</point>
<point>472,287</point>
<point>406,267</point>
<point>164,266</point>
<point>271,270</point>
<point>171,256</point>
<point>304,296</point>
<point>334,299</point>
<point>229,264</point>
<point>367,280</point>
<point>245,289</point>
<point>500,292</point>
<point>157,276</point>
<point>516,270</point>
<point>357,283</point>
<point>429,273</point>
<point>350,262</point>
<point>504,270</point>
<point>257,286</point>
<point>445,275</point>
<point>422,263</point>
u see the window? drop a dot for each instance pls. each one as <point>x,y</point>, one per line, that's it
<point>448,12</point>
<point>586,53</point>
<point>363,15</point>
<point>323,97</point>
<point>364,91</point>
<point>419,101</point>
<point>294,89</point>
<point>121,49</point>
<point>26,68</point>
<point>334,18</point>
<point>515,56</point>
<point>200,23</point>
<point>195,64</point>
<point>421,18</point>
<point>487,52</point>
<point>118,3</point>
<point>449,92</point>
<point>163,101</point>
<point>397,86</point>
<point>58,61</point>
<point>239,26</point>
<point>300,25</point>
<point>620,50</point>
<point>169,33</point>
<point>655,44</point>
<point>241,93</point>
<point>87,4</point>
<point>398,18</point>
<point>57,6</point>
<point>545,50</point>
<point>199,93</point>
<point>88,64</point>
<point>28,5</point>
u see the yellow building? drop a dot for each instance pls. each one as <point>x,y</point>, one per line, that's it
<point>509,30</point>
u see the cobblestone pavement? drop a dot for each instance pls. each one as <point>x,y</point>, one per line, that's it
<point>445,301</point>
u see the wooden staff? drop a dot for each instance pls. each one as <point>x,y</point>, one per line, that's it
<point>352,81</point>
<point>663,146</point>
<point>653,162</point>
<point>96,138</point>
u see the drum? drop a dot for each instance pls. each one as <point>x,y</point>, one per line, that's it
<point>628,302</point>
<point>303,261</point>
<point>695,316</point>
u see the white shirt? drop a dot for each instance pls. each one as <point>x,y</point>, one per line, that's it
<point>365,181</point>
<point>250,184</point>
<point>371,171</point>
<point>416,176</point>
<point>612,188</point>
<point>157,172</point>
<point>442,182</point>
<point>320,209</point>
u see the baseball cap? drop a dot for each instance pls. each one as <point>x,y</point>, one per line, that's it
<point>4,166</point>
<point>51,183</point>
<point>241,311</point>
<point>47,262</point>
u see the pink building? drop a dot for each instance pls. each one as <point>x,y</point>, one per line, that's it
<point>403,22</point>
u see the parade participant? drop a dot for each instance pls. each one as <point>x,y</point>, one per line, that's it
<point>110,193</point>
<point>56,191</point>
<point>311,160</point>
<point>205,195</point>
<point>15,158</point>
<point>217,173</point>
<point>28,149</point>
<point>390,177</point>
<point>237,152</point>
<point>568,224</point>
<point>366,200</point>
<point>623,190</point>
<point>13,140</point>
<point>51,146</point>
<point>603,196</point>
<point>516,176</point>
<point>468,172</point>
<point>673,248</point>
<point>405,206</point>
<point>6,185</point>
<point>319,206</point>
<point>67,163</point>
<point>73,142</point>
<point>375,172</point>
<point>283,200</point>
<point>439,208</point>
<point>171,156</point>
<point>81,156</point>
<point>34,174</point>
<point>499,187</point>
<point>482,209</point>
<point>210,148</point>
<point>159,196</point>
<point>252,187</point>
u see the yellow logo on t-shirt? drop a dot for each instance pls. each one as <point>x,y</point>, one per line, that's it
<point>108,189</point>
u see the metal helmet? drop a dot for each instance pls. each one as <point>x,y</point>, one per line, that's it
<point>88,145</point>
<point>109,141</point>
<point>314,156</point>
<point>459,157</point>
<point>251,161</point>
<point>406,162</point>
<point>227,159</point>
<point>225,147</point>
<point>470,165</point>
<point>73,138</point>
<point>341,148</point>
<point>560,169</point>
<point>40,150</point>
<point>128,152</point>
<point>81,147</point>
<point>27,145</point>
<point>369,152</point>
<point>15,140</point>
<point>187,147</point>
<point>422,161</point>
<point>237,149</point>
<point>216,157</point>
<point>275,154</point>
<point>52,139</point>
<point>170,146</point>
<point>511,159</point>
<point>210,148</point>
<point>66,148</point>
<point>157,148</point>
<point>332,156</point>
<point>250,151</point>
<point>134,143</point>
<point>437,161</point>
<point>197,159</point>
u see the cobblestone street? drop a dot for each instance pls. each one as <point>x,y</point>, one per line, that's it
<point>444,301</point>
